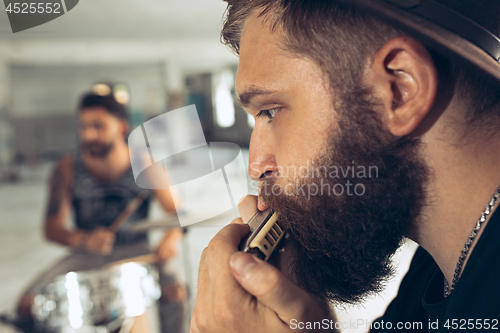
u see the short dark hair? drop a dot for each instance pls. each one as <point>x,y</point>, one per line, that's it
<point>341,39</point>
<point>108,102</point>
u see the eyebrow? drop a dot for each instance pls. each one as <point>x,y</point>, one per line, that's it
<point>245,98</point>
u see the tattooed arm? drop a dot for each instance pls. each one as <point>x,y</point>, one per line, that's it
<point>99,240</point>
<point>59,206</point>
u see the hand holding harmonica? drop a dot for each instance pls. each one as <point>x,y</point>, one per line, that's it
<point>238,292</point>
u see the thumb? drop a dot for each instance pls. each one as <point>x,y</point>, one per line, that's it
<point>270,286</point>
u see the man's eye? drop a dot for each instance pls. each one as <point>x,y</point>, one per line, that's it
<point>268,113</point>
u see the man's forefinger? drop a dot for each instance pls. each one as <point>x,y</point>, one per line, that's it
<point>229,237</point>
<point>215,257</point>
<point>225,289</point>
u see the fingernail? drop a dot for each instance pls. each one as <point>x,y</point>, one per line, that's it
<point>240,262</point>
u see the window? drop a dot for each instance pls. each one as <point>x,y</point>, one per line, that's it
<point>224,104</point>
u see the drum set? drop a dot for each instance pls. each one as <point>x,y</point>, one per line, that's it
<point>107,299</point>
<point>100,301</point>
<point>95,301</point>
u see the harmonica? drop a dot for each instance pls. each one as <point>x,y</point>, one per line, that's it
<point>264,236</point>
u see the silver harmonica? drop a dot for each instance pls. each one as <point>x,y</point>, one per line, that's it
<point>264,236</point>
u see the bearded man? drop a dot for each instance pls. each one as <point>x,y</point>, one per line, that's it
<point>407,88</point>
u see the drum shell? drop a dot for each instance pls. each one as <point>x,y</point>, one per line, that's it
<point>95,297</point>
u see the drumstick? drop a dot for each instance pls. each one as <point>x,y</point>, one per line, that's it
<point>129,210</point>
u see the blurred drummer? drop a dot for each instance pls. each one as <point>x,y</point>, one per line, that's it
<point>96,184</point>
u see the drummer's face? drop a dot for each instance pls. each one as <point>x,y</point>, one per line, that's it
<point>290,99</point>
<point>98,129</point>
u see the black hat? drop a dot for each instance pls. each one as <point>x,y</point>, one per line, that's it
<point>442,28</point>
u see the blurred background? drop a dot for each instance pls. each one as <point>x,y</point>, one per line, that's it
<point>167,54</point>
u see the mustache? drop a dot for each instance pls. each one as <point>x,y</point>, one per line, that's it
<point>335,247</point>
<point>95,144</point>
<point>289,205</point>
<point>96,148</point>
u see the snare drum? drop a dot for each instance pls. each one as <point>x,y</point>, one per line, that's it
<point>76,301</point>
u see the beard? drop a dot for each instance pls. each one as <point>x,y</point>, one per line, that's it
<point>345,226</point>
<point>98,149</point>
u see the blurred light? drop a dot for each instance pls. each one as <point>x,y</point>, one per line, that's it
<point>122,96</point>
<point>130,286</point>
<point>224,105</point>
<point>39,299</point>
<point>120,92</point>
<point>75,311</point>
<point>101,89</point>
<point>49,306</point>
<point>251,121</point>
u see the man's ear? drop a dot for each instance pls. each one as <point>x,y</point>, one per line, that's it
<point>403,77</point>
<point>124,128</point>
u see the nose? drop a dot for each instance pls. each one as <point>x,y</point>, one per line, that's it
<point>262,162</point>
<point>88,133</point>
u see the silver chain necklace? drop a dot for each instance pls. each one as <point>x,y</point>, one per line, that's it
<point>465,251</point>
